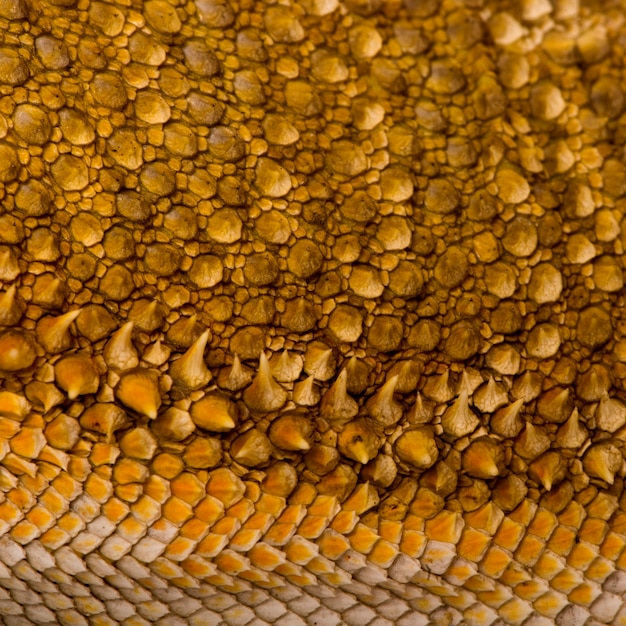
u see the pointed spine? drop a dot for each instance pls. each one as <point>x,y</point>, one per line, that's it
<point>549,469</point>
<point>264,394</point>
<point>319,362</point>
<point>252,448</point>
<point>148,316</point>
<point>359,441</point>
<point>49,291</point>
<point>603,460</point>
<point>182,333</point>
<point>10,310</point>
<point>305,393</point>
<point>53,332</point>
<point>421,412</point>
<point>215,413</point>
<point>287,367</point>
<point>156,354</point>
<point>409,373</point>
<point>489,397</point>
<point>483,458</point>
<point>190,370</point>
<point>382,407</point>
<point>358,375</point>
<point>119,352</point>
<point>139,390</point>
<point>528,387</point>
<point>417,447</point>
<point>532,442</point>
<point>77,375</point>
<point>235,377</point>
<point>507,421</point>
<point>571,434</point>
<point>459,420</point>
<point>438,388</point>
<point>467,384</point>
<point>555,405</point>
<point>9,268</point>
<point>291,432</point>
<point>337,405</point>
<point>610,414</point>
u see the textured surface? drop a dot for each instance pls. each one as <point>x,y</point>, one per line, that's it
<point>312,313</point>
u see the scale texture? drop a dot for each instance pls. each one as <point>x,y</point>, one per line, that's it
<point>312,313</point>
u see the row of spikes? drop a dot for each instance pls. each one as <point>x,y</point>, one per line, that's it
<point>138,389</point>
<point>265,395</point>
<point>359,439</point>
<point>53,335</point>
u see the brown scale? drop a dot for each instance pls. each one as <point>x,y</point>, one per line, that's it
<point>311,313</point>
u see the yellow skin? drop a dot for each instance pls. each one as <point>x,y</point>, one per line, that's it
<point>374,187</point>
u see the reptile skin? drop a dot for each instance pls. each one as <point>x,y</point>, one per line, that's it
<point>311,313</point>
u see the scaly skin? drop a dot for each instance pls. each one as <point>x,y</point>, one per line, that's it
<point>312,313</point>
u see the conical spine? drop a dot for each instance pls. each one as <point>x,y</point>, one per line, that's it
<point>119,352</point>
<point>10,310</point>
<point>382,407</point>
<point>337,405</point>
<point>264,394</point>
<point>459,420</point>
<point>190,370</point>
<point>53,332</point>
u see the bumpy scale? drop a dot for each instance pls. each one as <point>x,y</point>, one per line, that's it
<point>312,312</point>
